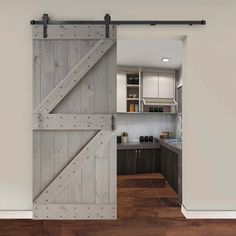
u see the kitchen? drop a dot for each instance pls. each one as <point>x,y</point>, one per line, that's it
<point>149,111</point>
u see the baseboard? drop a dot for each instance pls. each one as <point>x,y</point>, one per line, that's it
<point>16,214</point>
<point>187,213</point>
<point>208,214</point>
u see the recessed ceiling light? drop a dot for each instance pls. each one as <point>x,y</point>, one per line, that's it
<point>165,59</point>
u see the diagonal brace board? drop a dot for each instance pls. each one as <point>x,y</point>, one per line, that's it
<point>69,172</point>
<point>72,121</point>
<point>74,76</point>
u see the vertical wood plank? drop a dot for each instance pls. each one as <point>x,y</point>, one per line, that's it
<point>36,73</point>
<point>74,56</point>
<point>88,104</point>
<point>112,70</point>
<point>112,167</point>
<point>102,187</point>
<point>101,106</point>
<point>88,175</point>
<point>112,97</point>
<point>74,146</point>
<point>47,137</point>
<point>101,85</point>
<point>74,106</point>
<point>36,101</point>
<point>61,144</point>
<point>47,157</point>
<point>87,87</point>
<point>36,164</point>
<point>87,83</point>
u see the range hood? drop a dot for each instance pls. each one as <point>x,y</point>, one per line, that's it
<point>159,102</point>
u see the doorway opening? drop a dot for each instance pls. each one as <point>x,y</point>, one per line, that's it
<point>149,126</point>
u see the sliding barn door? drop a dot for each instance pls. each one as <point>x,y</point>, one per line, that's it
<point>74,99</point>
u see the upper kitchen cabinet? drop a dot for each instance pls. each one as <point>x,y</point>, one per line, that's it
<point>144,89</point>
<point>121,92</point>
<point>166,85</point>
<point>158,85</point>
<point>150,85</point>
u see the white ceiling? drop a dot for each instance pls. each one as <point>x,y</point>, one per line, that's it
<point>149,53</point>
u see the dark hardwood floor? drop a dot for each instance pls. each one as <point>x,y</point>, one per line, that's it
<point>146,207</point>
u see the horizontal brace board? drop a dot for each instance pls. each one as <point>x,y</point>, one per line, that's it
<point>72,121</point>
<point>75,211</point>
<point>83,158</point>
<point>74,76</point>
<point>73,32</point>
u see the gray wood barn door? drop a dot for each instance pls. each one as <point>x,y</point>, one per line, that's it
<point>74,99</point>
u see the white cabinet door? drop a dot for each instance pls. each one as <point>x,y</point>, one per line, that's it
<point>150,85</point>
<point>121,92</point>
<point>166,85</point>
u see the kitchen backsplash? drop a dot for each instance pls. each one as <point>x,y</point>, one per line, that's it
<point>144,124</point>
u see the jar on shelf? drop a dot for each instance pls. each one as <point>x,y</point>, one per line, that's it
<point>131,108</point>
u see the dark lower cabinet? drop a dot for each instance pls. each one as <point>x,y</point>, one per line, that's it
<point>131,161</point>
<point>137,161</point>
<point>140,161</point>
<point>126,162</point>
<point>169,167</point>
<point>121,161</point>
<point>147,161</point>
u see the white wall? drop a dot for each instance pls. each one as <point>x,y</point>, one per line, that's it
<point>209,87</point>
<point>144,125</point>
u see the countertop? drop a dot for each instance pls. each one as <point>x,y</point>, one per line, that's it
<point>138,145</point>
<point>174,147</point>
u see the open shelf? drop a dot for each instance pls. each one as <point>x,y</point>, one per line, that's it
<point>133,99</point>
<point>133,93</point>
<point>133,85</point>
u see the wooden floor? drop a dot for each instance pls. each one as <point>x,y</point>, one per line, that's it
<point>146,207</point>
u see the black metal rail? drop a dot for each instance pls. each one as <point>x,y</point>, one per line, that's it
<point>107,21</point>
